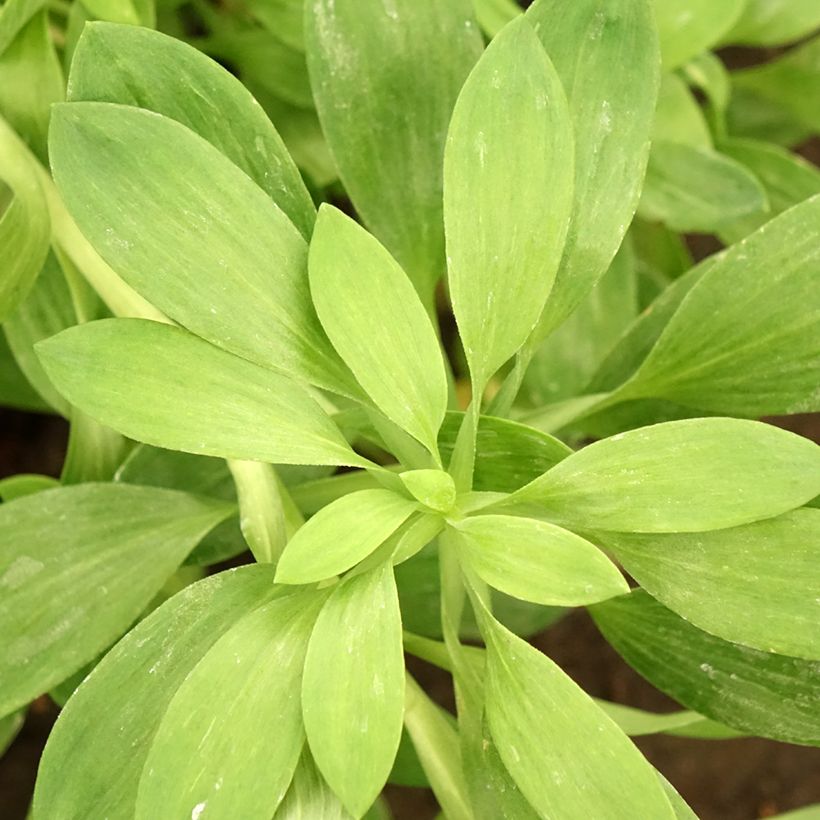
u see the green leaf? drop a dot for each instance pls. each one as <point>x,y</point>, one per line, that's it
<point>309,795</point>
<point>22,484</point>
<point>46,310</point>
<point>688,27</point>
<point>342,534</point>
<point>508,454</point>
<point>434,488</point>
<point>578,764</point>
<point>606,54</point>
<point>385,78</point>
<point>775,22</point>
<point>195,235</point>
<point>698,190</point>
<point>761,693</point>
<point>15,390</point>
<point>353,718</point>
<point>493,15</point>
<point>787,178</point>
<point>232,734</point>
<point>791,83</point>
<point>537,561</point>
<point>13,16</point>
<point>682,476</point>
<point>164,386</point>
<point>94,451</point>
<point>378,325</point>
<point>678,117</point>
<point>95,754</point>
<point>25,227</point>
<point>508,171</point>
<point>77,566</point>
<point>283,18</point>
<point>143,68</point>
<point>746,338</point>
<point>716,579</point>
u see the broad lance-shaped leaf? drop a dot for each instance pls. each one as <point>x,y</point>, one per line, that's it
<point>193,234</point>
<point>232,734</point>
<point>143,68</point>
<point>385,77</point>
<point>77,566</point>
<point>353,717</point>
<point>697,189</point>
<point>681,476</point>
<point>537,561</point>
<point>508,171</point>
<point>342,534</point>
<point>136,680</point>
<point>775,22</point>
<point>746,338</point>
<point>757,692</point>
<point>578,764</point>
<point>606,54</point>
<point>164,386</point>
<point>688,27</point>
<point>377,323</point>
<point>716,579</point>
<point>25,227</point>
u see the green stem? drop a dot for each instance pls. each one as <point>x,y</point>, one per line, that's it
<point>502,402</point>
<point>434,652</point>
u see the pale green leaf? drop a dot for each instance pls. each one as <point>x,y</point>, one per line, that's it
<point>13,16</point>
<point>760,693</point>
<point>606,54</point>
<point>508,172</point>
<point>232,734</point>
<point>385,77</point>
<point>10,725</point>
<point>164,386</point>
<point>434,488</point>
<point>688,27</point>
<point>678,117</point>
<point>775,22</point>
<point>537,561</point>
<point>353,718</point>
<point>716,579</point>
<point>94,757</point>
<point>374,319</point>
<point>746,338</point>
<point>143,68</point>
<point>493,15</point>
<point>309,796</point>
<point>94,451</point>
<point>194,234</point>
<point>342,534</point>
<point>567,757</point>
<point>283,18</point>
<point>22,484</point>
<point>697,189</point>
<point>681,476</point>
<point>77,566</point>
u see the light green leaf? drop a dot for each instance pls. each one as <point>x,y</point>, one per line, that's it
<point>385,78</point>
<point>378,325</point>
<point>46,310</point>
<point>342,534</point>
<point>791,83</point>
<point>94,756</point>
<point>688,27</point>
<point>787,178</point>
<point>493,15</point>
<point>434,488</point>
<point>746,338</point>
<point>537,561</point>
<point>508,171</point>
<point>77,566</point>
<point>606,54</point>
<point>716,579</point>
<point>164,386</point>
<point>353,718</point>
<point>678,117</point>
<point>232,734</point>
<point>143,68</point>
<point>94,451</point>
<point>283,18</point>
<point>698,190</point>
<point>13,16</point>
<point>190,231</point>
<point>10,725</point>
<point>760,693</point>
<point>309,796</point>
<point>578,764</point>
<point>681,476</point>
<point>15,390</point>
<point>775,22</point>
<point>22,484</point>
<point>508,454</point>
<point>24,224</point>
